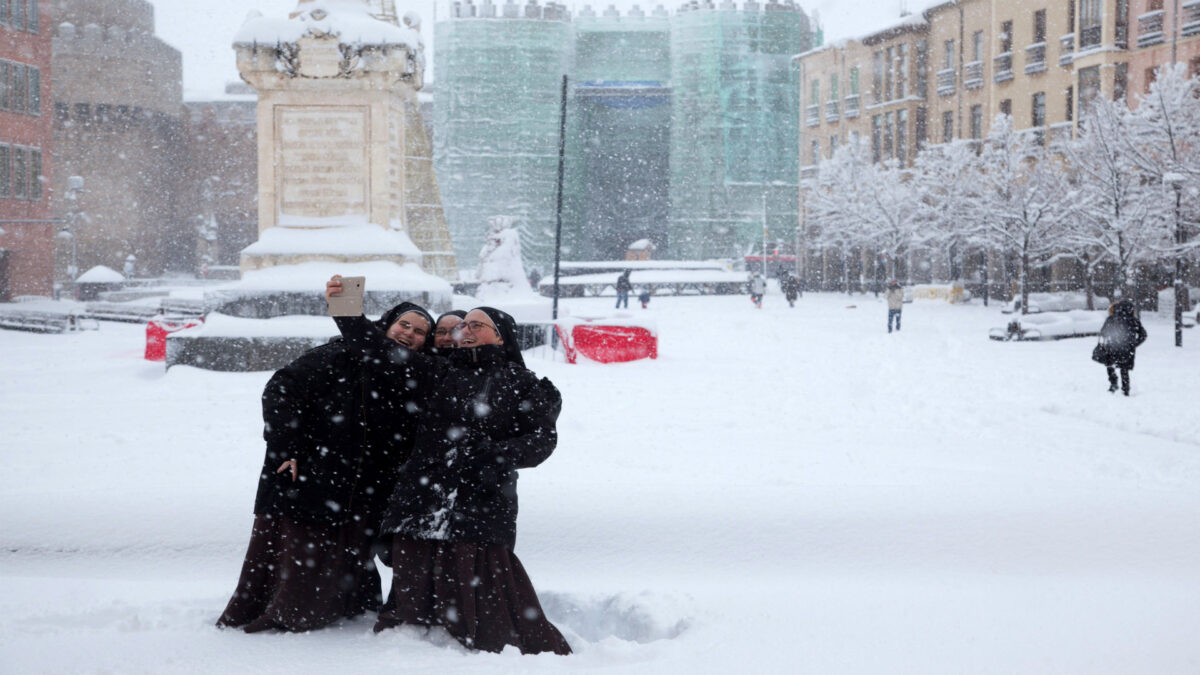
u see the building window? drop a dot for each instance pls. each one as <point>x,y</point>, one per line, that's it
<point>977,46</point>
<point>1006,107</point>
<point>35,90</point>
<point>19,88</point>
<point>20,173</point>
<point>1038,116</point>
<point>1070,16</point>
<point>5,78</point>
<point>833,143</point>
<point>17,17</point>
<point>854,81</point>
<point>35,175</point>
<point>889,61</point>
<point>1120,81</point>
<point>1089,85</point>
<point>949,54</point>
<point>1006,37</point>
<point>876,137</point>
<point>976,122</point>
<point>4,12</point>
<point>921,129</point>
<point>889,129</point>
<point>947,126</point>
<point>1121,28</point>
<point>816,153</point>
<point>902,137</point>
<point>814,93</point>
<point>902,71</point>
<point>922,67</point>
<point>833,87</point>
<point>1154,5</point>
<point>32,14</point>
<point>1039,26</point>
<point>1070,103</point>
<point>5,169</point>
<point>1090,16</point>
<point>877,78</point>
<point>1151,76</point>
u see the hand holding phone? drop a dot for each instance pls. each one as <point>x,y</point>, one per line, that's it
<point>349,301</point>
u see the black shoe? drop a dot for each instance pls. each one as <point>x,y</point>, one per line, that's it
<point>1112,388</point>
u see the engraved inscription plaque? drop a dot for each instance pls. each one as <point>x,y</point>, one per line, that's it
<point>322,162</point>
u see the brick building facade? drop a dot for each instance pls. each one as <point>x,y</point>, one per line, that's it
<point>26,138</point>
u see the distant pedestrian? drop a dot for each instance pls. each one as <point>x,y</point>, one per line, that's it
<point>535,277</point>
<point>644,297</point>
<point>791,288</point>
<point>623,288</point>
<point>758,288</point>
<point>895,302</point>
<point>1120,337</point>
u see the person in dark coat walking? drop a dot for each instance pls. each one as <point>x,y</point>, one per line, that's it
<point>895,303</point>
<point>335,442</point>
<point>624,286</point>
<point>1120,336</point>
<point>790,287</point>
<point>452,515</point>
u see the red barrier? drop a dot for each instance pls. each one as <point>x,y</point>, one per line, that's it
<point>156,334</point>
<point>613,344</point>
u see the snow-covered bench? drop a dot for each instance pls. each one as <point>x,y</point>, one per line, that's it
<point>43,322</point>
<point>1055,302</point>
<point>120,311</point>
<point>1051,326</point>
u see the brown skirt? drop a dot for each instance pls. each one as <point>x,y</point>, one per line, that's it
<point>299,576</point>
<point>479,592</point>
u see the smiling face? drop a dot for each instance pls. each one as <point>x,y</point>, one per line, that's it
<point>410,330</point>
<point>478,329</point>
<point>447,332</point>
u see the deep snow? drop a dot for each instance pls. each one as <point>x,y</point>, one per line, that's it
<point>783,490</point>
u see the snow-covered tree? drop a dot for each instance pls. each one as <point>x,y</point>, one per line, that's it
<point>1117,220</point>
<point>501,273</point>
<point>1024,198</point>
<point>946,182</point>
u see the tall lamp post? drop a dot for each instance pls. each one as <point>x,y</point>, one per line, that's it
<point>1175,180</point>
<point>74,188</point>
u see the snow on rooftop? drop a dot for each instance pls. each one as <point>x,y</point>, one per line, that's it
<point>363,239</point>
<point>100,275</point>
<point>348,20</point>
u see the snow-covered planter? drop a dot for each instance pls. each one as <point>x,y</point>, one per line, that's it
<point>1055,302</point>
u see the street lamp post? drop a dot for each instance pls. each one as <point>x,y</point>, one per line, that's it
<point>1176,182</point>
<point>74,188</point>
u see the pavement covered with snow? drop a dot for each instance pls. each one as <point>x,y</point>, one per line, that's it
<point>781,491</point>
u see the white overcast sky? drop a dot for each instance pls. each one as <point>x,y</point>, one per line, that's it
<point>203,29</point>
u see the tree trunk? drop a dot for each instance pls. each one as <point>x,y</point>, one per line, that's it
<point>1089,278</point>
<point>1024,282</point>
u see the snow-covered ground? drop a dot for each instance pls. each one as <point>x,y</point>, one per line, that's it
<point>782,491</point>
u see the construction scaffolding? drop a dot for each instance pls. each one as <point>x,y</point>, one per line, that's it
<point>498,77</point>
<point>618,142</point>
<point>734,127</point>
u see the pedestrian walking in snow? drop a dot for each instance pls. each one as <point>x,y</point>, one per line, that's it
<point>791,288</point>
<point>446,331</point>
<point>452,514</point>
<point>895,303</point>
<point>335,442</point>
<point>624,286</point>
<point>644,297</point>
<point>1120,336</point>
<point>758,288</point>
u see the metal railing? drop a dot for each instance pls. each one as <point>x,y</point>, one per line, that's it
<point>1066,55</point>
<point>947,79</point>
<point>1035,58</point>
<point>1002,68</point>
<point>1150,28</point>
<point>973,74</point>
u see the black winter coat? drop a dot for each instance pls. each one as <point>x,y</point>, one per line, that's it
<point>481,417</point>
<point>339,417</point>
<point>1120,336</point>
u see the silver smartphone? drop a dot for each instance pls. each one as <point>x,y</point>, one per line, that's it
<point>350,301</point>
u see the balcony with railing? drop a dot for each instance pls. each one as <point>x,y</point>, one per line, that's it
<point>1066,53</point>
<point>831,111</point>
<point>1090,36</point>
<point>1035,58</point>
<point>1002,68</point>
<point>1189,19</point>
<point>1150,28</point>
<point>973,74</point>
<point>814,115</point>
<point>947,78</point>
<point>851,106</point>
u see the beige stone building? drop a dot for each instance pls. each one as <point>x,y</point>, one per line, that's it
<point>945,74</point>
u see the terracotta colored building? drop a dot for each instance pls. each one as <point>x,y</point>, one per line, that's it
<point>26,216</point>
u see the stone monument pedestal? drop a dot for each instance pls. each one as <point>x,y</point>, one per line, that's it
<point>343,185</point>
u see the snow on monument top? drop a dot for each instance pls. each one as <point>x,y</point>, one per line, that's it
<point>100,275</point>
<point>348,20</point>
